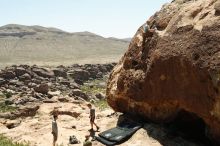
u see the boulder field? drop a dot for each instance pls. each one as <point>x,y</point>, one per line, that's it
<point>173,69</point>
<point>24,83</point>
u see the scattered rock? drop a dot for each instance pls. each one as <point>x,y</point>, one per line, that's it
<point>33,82</point>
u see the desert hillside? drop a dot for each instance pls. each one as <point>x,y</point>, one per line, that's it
<point>50,46</point>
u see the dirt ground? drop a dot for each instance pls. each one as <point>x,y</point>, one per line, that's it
<point>37,130</point>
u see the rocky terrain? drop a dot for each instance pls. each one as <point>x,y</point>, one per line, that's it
<point>172,74</point>
<point>33,91</point>
<point>50,46</point>
<point>31,94</point>
<point>25,83</point>
<point>170,77</point>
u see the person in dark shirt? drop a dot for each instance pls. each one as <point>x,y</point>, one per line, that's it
<point>92,117</point>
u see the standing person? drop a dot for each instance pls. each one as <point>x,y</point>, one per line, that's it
<point>54,129</point>
<point>92,117</point>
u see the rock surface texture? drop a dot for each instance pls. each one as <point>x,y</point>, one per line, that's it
<point>173,69</point>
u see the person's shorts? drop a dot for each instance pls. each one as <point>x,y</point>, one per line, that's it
<point>55,136</point>
<point>92,119</point>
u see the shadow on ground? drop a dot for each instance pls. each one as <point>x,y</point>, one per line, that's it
<point>185,130</point>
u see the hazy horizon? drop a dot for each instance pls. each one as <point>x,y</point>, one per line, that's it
<point>113,18</point>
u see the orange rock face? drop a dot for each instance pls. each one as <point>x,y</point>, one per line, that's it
<point>174,68</point>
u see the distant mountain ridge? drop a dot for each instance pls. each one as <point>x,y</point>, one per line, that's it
<point>20,44</point>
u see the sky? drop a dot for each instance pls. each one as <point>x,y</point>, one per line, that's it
<point>108,18</point>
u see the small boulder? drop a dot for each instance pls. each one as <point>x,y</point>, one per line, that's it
<point>100,96</point>
<point>12,124</point>
<point>25,77</point>
<point>65,82</point>
<point>19,71</point>
<point>73,140</point>
<point>79,74</point>
<point>7,75</point>
<point>43,72</point>
<point>74,85</point>
<point>2,81</point>
<point>59,72</point>
<point>42,88</point>
<point>78,81</point>
<point>55,93</point>
<point>78,92</point>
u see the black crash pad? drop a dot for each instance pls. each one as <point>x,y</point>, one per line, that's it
<point>119,134</point>
<point>104,141</point>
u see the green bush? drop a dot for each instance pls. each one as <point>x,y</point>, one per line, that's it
<point>102,104</point>
<point>94,89</point>
<point>7,94</point>
<point>6,108</point>
<point>4,141</point>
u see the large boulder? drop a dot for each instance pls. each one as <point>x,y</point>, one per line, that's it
<point>174,69</point>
